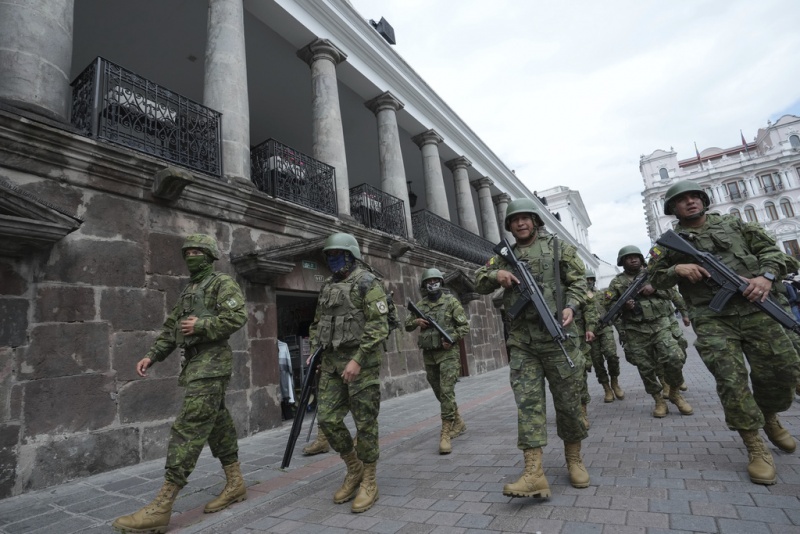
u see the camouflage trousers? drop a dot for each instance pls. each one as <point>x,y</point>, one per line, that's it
<point>203,418</point>
<point>362,398</point>
<point>724,343</point>
<point>442,373</point>
<point>529,366</point>
<point>649,351</point>
<point>585,397</point>
<point>604,349</point>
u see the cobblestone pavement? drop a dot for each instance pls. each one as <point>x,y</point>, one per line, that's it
<point>676,474</point>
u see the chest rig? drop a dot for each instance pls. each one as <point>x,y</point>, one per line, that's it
<point>193,302</point>
<point>342,318</point>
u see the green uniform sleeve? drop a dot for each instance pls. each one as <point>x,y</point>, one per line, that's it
<point>410,325</point>
<point>459,320</point>
<point>678,302</point>
<point>486,276</point>
<point>376,326</point>
<point>574,275</point>
<point>591,313</point>
<point>231,314</point>
<point>165,342</point>
<point>770,258</point>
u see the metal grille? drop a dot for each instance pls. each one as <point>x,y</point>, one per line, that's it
<point>378,210</point>
<point>439,234</point>
<point>286,173</point>
<point>114,104</point>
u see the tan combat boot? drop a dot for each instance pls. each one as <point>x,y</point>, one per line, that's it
<point>532,483</point>
<point>665,391</point>
<point>459,426</point>
<point>761,467</point>
<point>609,394</point>
<point>234,490</point>
<point>778,435</point>
<point>444,440</point>
<point>677,399</point>
<point>368,491</point>
<point>578,476</point>
<point>318,446</point>
<point>684,387</point>
<point>661,409</point>
<point>154,517</point>
<point>355,472</point>
<point>585,416</point>
<point>618,393</point>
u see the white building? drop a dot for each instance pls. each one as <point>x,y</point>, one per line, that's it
<point>757,181</point>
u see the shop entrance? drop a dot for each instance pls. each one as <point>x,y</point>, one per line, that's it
<point>295,312</point>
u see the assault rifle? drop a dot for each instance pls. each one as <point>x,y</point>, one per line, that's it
<point>302,406</point>
<point>530,293</point>
<point>629,293</point>
<point>416,311</point>
<point>728,281</point>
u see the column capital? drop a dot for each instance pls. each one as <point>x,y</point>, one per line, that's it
<point>460,162</point>
<point>502,198</point>
<point>383,102</point>
<point>428,137</point>
<point>480,183</point>
<point>321,49</point>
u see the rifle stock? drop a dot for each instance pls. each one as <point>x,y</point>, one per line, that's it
<point>302,406</point>
<point>728,281</point>
<point>530,293</point>
<point>629,293</point>
<point>416,311</point>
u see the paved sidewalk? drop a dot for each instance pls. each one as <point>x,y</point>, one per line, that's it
<point>676,474</point>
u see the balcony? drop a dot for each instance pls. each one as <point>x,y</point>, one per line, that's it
<point>378,210</point>
<point>772,188</point>
<point>283,172</point>
<point>114,104</point>
<point>439,234</point>
<point>737,195</point>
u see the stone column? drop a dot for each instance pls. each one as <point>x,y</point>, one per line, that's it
<point>225,88</point>
<point>327,131</point>
<point>486,206</point>
<point>36,55</point>
<point>501,202</point>
<point>464,204</point>
<point>393,172</point>
<point>435,194</point>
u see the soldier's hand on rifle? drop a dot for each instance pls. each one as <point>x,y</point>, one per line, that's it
<point>686,321</point>
<point>590,336</point>
<point>187,325</point>
<point>351,372</point>
<point>647,289</point>
<point>567,315</point>
<point>141,367</point>
<point>758,290</point>
<point>630,304</point>
<point>446,345</point>
<point>693,272</point>
<point>422,323</point>
<point>506,278</point>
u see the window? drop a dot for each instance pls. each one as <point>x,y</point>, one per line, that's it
<point>736,213</point>
<point>736,190</point>
<point>750,214</point>
<point>772,213</point>
<point>710,192</point>
<point>794,140</point>
<point>791,247</point>
<point>662,172</point>
<point>770,182</point>
<point>786,207</point>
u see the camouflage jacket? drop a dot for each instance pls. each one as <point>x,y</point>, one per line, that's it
<point>744,247</point>
<point>649,309</point>
<point>594,299</point>
<point>448,313</point>
<point>539,258</point>
<point>351,318</point>
<point>224,314</point>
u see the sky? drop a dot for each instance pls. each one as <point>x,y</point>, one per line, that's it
<point>573,93</point>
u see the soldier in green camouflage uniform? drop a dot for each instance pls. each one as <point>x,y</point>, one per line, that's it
<point>603,348</point>
<point>648,337</point>
<point>584,324</point>
<point>210,309</point>
<point>677,333</point>
<point>739,336</point>
<point>533,356</point>
<point>442,363</point>
<point>351,325</point>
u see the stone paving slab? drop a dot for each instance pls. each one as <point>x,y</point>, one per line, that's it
<point>651,476</point>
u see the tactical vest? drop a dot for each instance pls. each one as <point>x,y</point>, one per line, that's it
<point>429,339</point>
<point>543,272</point>
<point>341,322</point>
<point>648,307</point>
<point>193,302</point>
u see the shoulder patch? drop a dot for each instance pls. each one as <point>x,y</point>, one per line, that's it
<point>232,303</point>
<point>656,252</point>
<point>608,294</point>
<point>382,308</point>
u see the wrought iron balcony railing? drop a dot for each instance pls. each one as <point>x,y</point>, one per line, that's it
<point>114,104</point>
<point>378,210</point>
<point>286,173</point>
<point>773,188</point>
<point>436,233</point>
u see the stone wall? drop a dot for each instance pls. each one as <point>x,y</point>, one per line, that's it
<point>77,316</point>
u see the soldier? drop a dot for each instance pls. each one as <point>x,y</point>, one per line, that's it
<point>533,356</point>
<point>677,333</point>
<point>739,336</point>
<point>584,324</point>
<point>351,324</point>
<point>603,347</point>
<point>442,363</point>
<point>210,309</point>
<point>649,342</point>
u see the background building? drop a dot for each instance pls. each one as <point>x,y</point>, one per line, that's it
<point>757,181</point>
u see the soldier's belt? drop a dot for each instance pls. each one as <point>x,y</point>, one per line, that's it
<point>194,350</point>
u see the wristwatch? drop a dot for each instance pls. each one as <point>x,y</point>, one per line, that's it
<point>769,276</point>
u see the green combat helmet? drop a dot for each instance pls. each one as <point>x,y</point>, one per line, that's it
<point>203,242</point>
<point>522,205</point>
<point>590,274</point>
<point>430,273</point>
<point>680,188</point>
<point>628,251</point>
<point>342,241</point>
